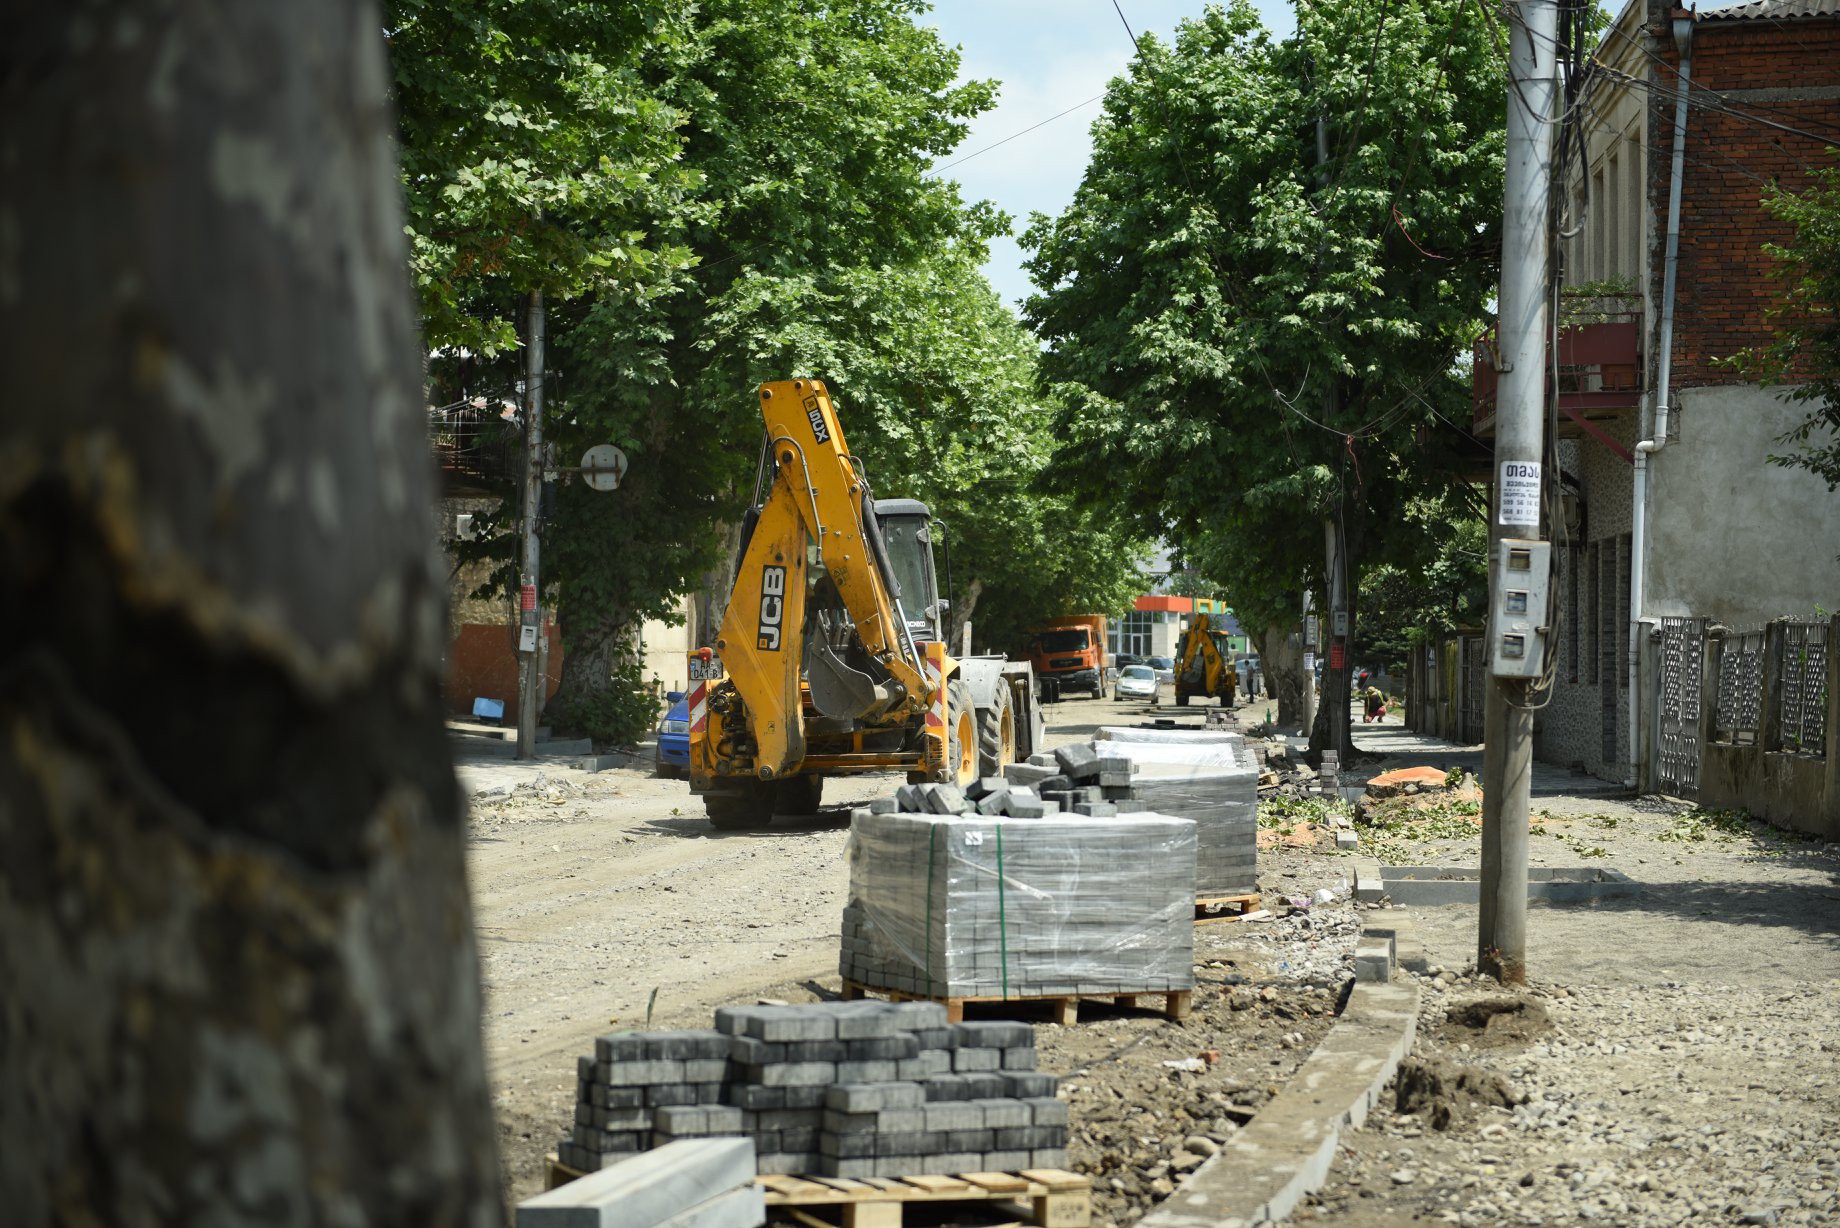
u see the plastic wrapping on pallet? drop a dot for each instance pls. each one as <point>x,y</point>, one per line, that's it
<point>949,906</point>
<point>1217,786</point>
<point>1177,737</point>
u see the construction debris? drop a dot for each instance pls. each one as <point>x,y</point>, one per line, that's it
<point>840,1089</point>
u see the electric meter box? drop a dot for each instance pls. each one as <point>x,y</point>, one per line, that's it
<point>1523,570</point>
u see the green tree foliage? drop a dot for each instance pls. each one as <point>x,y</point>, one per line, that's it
<point>810,132</point>
<point>533,157</point>
<point>936,385</point>
<point>1253,316</point>
<point>1445,587</point>
<point>1806,349</point>
<point>776,216</point>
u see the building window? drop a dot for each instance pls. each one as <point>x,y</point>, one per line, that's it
<point>1592,606</point>
<point>1600,230</point>
<point>1612,205</point>
<point>1131,634</point>
<point>1605,601</point>
<point>1632,202</point>
<point>1624,549</point>
<point>1574,585</point>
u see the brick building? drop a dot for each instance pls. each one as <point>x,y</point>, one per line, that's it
<point>1674,521</point>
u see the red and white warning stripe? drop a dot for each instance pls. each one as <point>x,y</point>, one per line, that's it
<point>936,713</point>
<point>699,708</point>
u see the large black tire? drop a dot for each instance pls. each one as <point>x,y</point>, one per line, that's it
<point>745,805</point>
<point>1181,699</point>
<point>799,795</point>
<point>996,733</point>
<point>958,699</point>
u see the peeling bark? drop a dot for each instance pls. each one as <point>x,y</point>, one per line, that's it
<point>237,973</point>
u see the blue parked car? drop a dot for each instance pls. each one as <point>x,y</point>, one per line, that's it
<point>674,737</point>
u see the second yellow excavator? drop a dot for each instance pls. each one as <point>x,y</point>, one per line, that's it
<point>1202,668</point>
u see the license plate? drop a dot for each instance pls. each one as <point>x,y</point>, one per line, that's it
<point>703,671</point>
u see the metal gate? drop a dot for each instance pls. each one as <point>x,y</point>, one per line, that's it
<point>1676,747</point>
<point>1475,669</point>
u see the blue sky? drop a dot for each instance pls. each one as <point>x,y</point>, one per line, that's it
<point>1049,55</point>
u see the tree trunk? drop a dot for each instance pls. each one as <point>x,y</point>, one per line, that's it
<point>718,583</point>
<point>961,612</point>
<point>1283,660</point>
<point>237,973</point>
<point>594,642</point>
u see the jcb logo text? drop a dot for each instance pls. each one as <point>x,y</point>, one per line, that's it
<point>772,606</point>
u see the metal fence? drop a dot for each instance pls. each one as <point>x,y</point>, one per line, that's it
<point>1739,712</point>
<point>1475,671</point>
<point>1801,692</point>
<point>1683,654</point>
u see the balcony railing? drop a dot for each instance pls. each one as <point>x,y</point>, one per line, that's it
<point>473,442</point>
<point>1600,360</point>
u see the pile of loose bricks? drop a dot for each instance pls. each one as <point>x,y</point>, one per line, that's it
<point>1076,779</point>
<point>837,1089</point>
<point>1080,778</point>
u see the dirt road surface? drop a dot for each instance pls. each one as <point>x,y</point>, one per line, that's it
<point>1680,1066</point>
<point>602,897</point>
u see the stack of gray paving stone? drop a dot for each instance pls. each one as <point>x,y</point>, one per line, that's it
<point>708,1183</point>
<point>632,1075</point>
<point>1066,905</point>
<point>808,1085</point>
<point>1208,776</point>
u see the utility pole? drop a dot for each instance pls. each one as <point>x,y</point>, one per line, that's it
<point>1334,639</point>
<point>1338,667</point>
<point>1306,645</point>
<point>1519,565</point>
<point>530,607</point>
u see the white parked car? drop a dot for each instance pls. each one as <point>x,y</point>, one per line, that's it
<point>1137,682</point>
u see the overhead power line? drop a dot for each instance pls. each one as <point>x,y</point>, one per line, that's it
<point>1024,132</point>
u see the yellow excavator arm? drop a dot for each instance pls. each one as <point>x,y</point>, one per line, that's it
<point>818,515</point>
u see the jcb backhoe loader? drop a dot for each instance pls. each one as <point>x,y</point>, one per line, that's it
<point>1202,669</point>
<point>831,658</point>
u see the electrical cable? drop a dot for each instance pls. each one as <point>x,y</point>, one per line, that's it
<point>1598,69</point>
<point>1012,136</point>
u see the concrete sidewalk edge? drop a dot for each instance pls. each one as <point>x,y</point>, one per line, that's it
<point>1265,1170</point>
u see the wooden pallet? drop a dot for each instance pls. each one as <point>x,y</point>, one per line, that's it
<point>1054,1197</point>
<point>1065,1008</point>
<point>1225,907</point>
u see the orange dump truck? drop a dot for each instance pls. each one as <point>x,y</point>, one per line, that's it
<point>1069,655</point>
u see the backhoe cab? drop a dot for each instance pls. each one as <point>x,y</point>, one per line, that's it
<point>831,657</point>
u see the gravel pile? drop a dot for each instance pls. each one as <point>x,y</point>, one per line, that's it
<point>1665,1104</point>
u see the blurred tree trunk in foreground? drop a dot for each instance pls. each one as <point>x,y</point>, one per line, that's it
<point>237,974</point>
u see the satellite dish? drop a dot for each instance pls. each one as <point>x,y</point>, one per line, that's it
<point>602,467</point>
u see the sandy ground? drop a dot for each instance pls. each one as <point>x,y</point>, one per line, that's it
<point>604,899</point>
